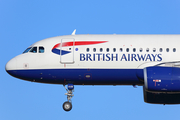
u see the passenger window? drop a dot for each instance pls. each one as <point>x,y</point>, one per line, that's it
<point>147,50</point>
<point>140,49</point>
<point>101,50</point>
<point>114,49</point>
<point>167,49</point>
<point>154,49</point>
<point>87,49</point>
<point>134,49</point>
<point>160,50</point>
<point>33,50</point>
<point>107,49</point>
<point>120,49</point>
<point>94,49</point>
<point>127,49</point>
<point>174,49</point>
<point>41,49</point>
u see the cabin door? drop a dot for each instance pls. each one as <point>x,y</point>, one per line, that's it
<point>67,51</point>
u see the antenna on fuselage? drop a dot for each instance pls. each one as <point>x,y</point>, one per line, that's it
<point>74,32</point>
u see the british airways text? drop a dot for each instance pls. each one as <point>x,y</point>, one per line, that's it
<point>120,57</point>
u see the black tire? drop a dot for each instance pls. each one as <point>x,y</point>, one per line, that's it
<point>67,106</point>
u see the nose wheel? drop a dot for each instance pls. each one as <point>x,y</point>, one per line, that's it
<point>67,106</point>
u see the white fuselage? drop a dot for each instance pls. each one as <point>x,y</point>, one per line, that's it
<point>126,52</point>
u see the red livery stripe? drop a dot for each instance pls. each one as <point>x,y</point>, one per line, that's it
<point>76,43</point>
<point>56,46</point>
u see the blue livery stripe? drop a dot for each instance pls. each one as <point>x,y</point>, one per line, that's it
<point>57,51</point>
<point>81,76</point>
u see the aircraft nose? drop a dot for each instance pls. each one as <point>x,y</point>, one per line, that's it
<point>11,65</point>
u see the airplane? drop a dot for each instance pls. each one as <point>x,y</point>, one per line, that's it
<point>151,61</point>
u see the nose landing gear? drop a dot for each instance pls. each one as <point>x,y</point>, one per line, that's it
<point>67,106</point>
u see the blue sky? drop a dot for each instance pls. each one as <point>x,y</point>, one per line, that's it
<point>24,22</point>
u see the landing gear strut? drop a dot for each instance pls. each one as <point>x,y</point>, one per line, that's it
<point>67,106</point>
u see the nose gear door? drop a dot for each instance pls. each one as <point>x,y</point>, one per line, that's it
<point>67,51</point>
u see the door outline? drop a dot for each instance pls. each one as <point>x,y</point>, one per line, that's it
<point>71,55</point>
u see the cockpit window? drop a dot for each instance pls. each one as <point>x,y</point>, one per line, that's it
<point>41,49</point>
<point>27,50</point>
<point>33,50</point>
